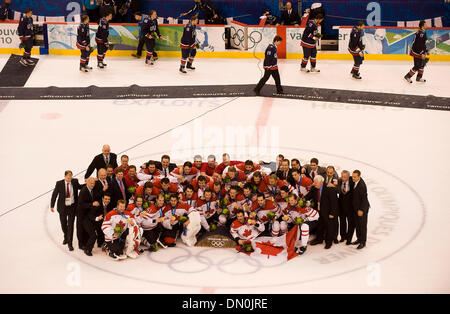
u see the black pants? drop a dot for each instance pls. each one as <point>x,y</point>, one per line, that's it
<point>346,223</point>
<point>91,230</point>
<point>150,44</point>
<point>101,51</point>
<point>100,234</point>
<point>27,45</point>
<point>118,245</point>
<point>361,227</point>
<point>188,55</point>
<point>419,65</point>
<point>267,73</point>
<point>358,60</point>
<point>152,235</point>
<point>307,54</point>
<point>326,228</point>
<point>67,219</point>
<point>93,15</point>
<point>84,59</point>
<point>166,233</point>
<point>81,232</point>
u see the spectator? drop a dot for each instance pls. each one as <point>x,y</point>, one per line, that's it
<point>91,8</point>
<point>268,19</point>
<point>122,7</point>
<point>5,11</point>
<point>290,16</point>
<point>108,6</point>
<point>209,11</point>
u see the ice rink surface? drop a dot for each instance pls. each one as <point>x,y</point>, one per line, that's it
<point>402,153</point>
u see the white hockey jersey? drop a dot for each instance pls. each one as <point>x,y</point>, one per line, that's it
<point>115,218</point>
<point>245,231</point>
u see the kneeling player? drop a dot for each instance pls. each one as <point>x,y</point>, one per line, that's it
<point>208,209</point>
<point>150,221</point>
<point>84,43</point>
<point>188,45</point>
<point>418,52</point>
<point>244,230</point>
<point>173,222</point>
<point>306,218</point>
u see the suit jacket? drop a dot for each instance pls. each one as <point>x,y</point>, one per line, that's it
<point>172,166</point>
<point>360,200</point>
<point>60,192</point>
<point>117,193</point>
<point>290,19</point>
<point>99,162</point>
<point>345,200</point>
<point>99,189</point>
<point>320,170</point>
<point>329,204</point>
<point>281,176</point>
<point>85,200</point>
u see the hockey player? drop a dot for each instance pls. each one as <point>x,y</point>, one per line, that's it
<point>301,183</point>
<point>101,38</point>
<point>189,197</point>
<point>208,209</point>
<point>150,32</point>
<point>171,225</point>
<point>116,227</point>
<point>419,52</point>
<point>271,67</point>
<point>271,187</point>
<point>184,175</point>
<point>356,48</point>
<point>26,34</point>
<point>243,230</point>
<point>306,218</point>
<point>309,40</point>
<point>148,172</point>
<point>233,177</point>
<point>260,211</point>
<point>188,45</point>
<point>5,11</point>
<point>84,43</point>
<point>150,221</point>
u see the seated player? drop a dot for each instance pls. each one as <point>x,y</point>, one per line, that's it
<point>260,211</point>
<point>150,220</point>
<point>243,230</point>
<point>201,184</point>
<point>148,191</point>
<point>208,210</point>
<point>189,197</point>
<point>166,187</point>
<point>136,207</point>
<point>234,203</point>
<point>171,225</point>
<point>301,183</point>
<point>249,198</point>
<point>272,185</point>
<point>282,200</point>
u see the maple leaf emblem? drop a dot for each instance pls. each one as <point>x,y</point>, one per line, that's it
<point>267,248</point>
<point>247,233</point>
<point>121,224</point>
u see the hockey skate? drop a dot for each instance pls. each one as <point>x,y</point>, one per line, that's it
<point>420,80</point>
<point>101,65</point>
<point>136,55</point>
<point>23,62</point>
<point>356,76</point>
<point>190,67</point>
<point>30,62</point>
<point>408,79</point>
<point>84,69</point>
<point>300,250</point>
<point>302,69</point>
<point>182,70</point>
<point>314,70</point>
<point>149,61</point>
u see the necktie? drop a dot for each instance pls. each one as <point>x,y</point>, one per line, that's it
<point>121,188</point>
<point>313,175</point>
<point>344,188</point>
<point>67,191</point>
<point>165,173</point>
<point>105,184</point>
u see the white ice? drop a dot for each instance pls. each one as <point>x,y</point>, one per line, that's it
<point>402,153</point>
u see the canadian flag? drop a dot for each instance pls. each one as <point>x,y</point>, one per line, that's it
<point>280,248</point>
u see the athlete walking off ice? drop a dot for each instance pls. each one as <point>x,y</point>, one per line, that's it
<point>418,52</point>
<point>271,66</point>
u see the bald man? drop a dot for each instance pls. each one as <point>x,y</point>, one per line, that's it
<point>101,160</point>
<point>87,201</point>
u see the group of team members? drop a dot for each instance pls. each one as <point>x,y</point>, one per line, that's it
<point>153,206</point>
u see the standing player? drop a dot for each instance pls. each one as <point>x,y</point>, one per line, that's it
<point>101,38</point>
<point>150,31</point>
<point>26,34</point>
<point>271,67</point>
<point>188,45</point>
<point>309,39</point>
<point>84,43</point>
<point>418,52</point>
<point>355,47</point>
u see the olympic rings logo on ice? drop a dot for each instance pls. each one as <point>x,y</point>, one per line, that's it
<point>217,243</point>
<point>198,262</point>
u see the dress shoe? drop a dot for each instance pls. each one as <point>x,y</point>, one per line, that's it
<point>348,242</point>
<point>81,247</point>
<point>360,246</point>
<point>64,242</point>
<point>342,240</point>
<point>316,241</point>
<point>335,241</point>
<point>88,253</point>
<point>70,247</point>
<point>327,246</point>
<point>355,243</point>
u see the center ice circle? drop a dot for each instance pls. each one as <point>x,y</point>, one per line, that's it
<point>396,216</point>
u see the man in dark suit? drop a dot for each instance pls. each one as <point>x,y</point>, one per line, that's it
<point>92,218</point>
<point>326,203</point>
<point>361,207</point>
<point>102,185</point>
<point>118,188</point>
<point>284,172</point>
<point>66,191</point>
<point>346,215</point>
<point>100,161</point>
<point>165,166</point>
<point>313,169</point>
<point>86,202</point>
<point>290,16</point>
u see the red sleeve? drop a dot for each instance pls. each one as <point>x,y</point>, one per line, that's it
<point>131,207</point>
<point>140,190</point>
<point>219,169</point>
